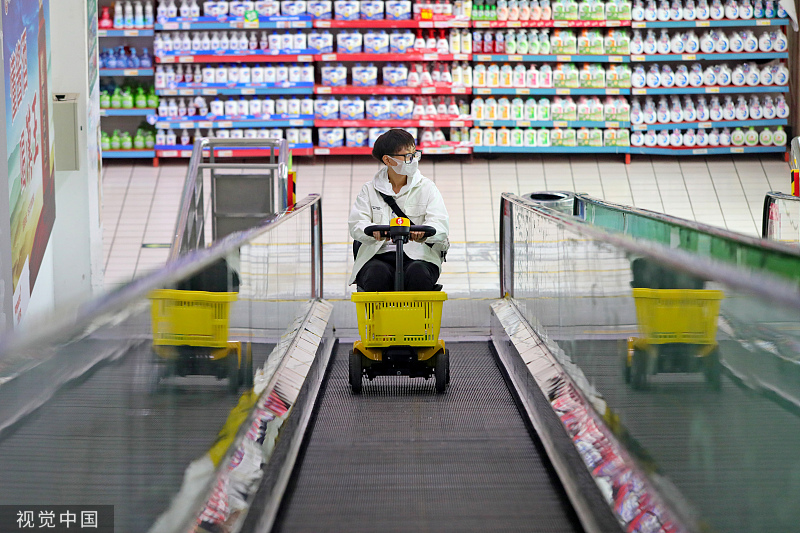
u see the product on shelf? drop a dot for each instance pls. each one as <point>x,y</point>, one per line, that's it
<point>236,107</point>
<point>127,16</point>
<point>701,10</point>
<point>710,42</point>
<point>713,75</point>
<point>546,137</point>
<point>545,109</point>
<point>272,74</point>
<point>142,140</point>
<point>295,136</point>
<point>197,42</point>
<point>703,110</point>
<point>128,97</point>
<point>503,10</point>
<point>123,58</point>
<point>391,108</point>
<point>690,138</point>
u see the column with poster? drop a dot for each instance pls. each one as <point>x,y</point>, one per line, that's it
<point>26,67</point>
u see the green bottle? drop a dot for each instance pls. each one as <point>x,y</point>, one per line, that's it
<point>105,100</point>
<point>127,99</point>
<point>105,142</point>
<point>141,99</point>
<point>116,99</point>
<point>115,142</point>
<point>125,141</point>
<point>152,99</point>
<point>150,140</point>
<point>138,140</point>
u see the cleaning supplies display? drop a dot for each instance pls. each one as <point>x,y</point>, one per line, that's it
<point>562,75</point>
<point>707,109</point>
<point>591,109</point>
<point>503,10</point>
<point>124,58</point>
<point>715,138</point>
<point>550,137</point>
<point>235,42</point>
<point>240,108</point>
<point>650,10</point>
<point>442,41</point>
<point>714,41</point>
<point>231,75</point>
<point>721,74</point>
<point>128,15</point>
<point>185,138</point>
<point>391,108</point>
<point>541,42</point>
<point>143,139</point>
<point>430,74</point>
<point>129,96</point>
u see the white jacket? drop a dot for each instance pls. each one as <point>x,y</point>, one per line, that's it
<point>419,199</point>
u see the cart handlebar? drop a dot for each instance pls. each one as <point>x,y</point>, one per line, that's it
<point>395,232</point>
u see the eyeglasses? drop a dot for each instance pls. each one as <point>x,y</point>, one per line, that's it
<point>408,158</point>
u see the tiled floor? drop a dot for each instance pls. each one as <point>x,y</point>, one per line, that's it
<point>140,203</point>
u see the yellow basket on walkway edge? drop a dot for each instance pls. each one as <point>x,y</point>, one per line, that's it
<point>399,318</point>
<point>677,315</point>
<point>191,318</point>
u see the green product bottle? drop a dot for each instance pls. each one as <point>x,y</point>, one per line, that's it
<point>105,142</point>
<point>105,100</point>
<point>138,140</point>
<point>125,141</point>
<point>152,99</point>
<point>127,99</point>
<point>115,142</point>
<point>141,99</point>
<point>116,99</point>
<point>149,140</point>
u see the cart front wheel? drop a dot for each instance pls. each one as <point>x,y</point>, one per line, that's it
<point>441,370</point>
<point>638,369</point>
<point>356,371</point>
<point>713,369</point>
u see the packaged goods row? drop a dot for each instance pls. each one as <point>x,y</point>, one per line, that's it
<point>702,10</point>
<point>399,75</point>
<point>128,97</point>
<point>223,40</point>
<point>127,16</point>
<point>710,42</point>
<point>700,110</point>
<point>117,140</point>
<point>503,10</point>
<point>564,75</point>
<point>186,137</point>
<point>385,108</point>
<point>541,42</point>
<point>363,137</point>
<point>272,73</point>
<point>557,109</point>
<point>318,9</point>
<point>567,137</point>
<point>689,138</point>
<point>749,74</point>
<point>124,58</point>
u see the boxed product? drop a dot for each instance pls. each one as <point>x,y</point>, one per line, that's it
<point>351,109</point>
<point>618,77</point>
<point>563,42</point>
<point>376,42</point>
<point>565,10</point>
<point>293,8</point>
<point>268,8</point>
<point>371,9</point>
<point>321,42</point>
<point>592,77</point>
<point>349,42</point>
<point>365,76</point>
<point>334,76</point>
<point>356,137</point>
<point>398,10</point>
<point>400,43</point>
<point>617,42</point>
<point>374,133</point>
<point>569,137</point>
<point>326,109</point>
<point>331,137</point>
<point>379,109</point>
<point>402,109</point>
<point>320,9</point>
<point>346,10</point>
<point>590,137</point>
<point>565,76</point>
<point>395,75</point>
<point>591,10</point>
<point>591,42</point>
<point>618,10</point>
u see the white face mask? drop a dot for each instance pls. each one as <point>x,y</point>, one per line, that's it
<point>407,169</point>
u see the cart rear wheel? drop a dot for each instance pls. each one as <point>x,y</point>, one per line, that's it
<point>247,368</point>
<point>234,372</point>
<point>356,371</point>
<point>448,365</point>
<point>441,370</point>
<point>713,369</point>
<point>638,369</point>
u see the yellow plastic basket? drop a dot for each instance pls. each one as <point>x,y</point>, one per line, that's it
<point>677,315</point>
<point>399,318</point>
<point>191,318</point>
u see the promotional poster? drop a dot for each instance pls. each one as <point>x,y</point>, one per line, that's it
<point>26,62</point>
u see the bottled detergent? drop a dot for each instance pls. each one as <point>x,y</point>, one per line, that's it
<point>779,137</point>
<point>689,10</point>
<point>650,138</point>
<point>650,43</point>
<point>750,41</point>
<point>691,42</point>
<point>649,114</point>
<point>781,107</point>
<point>725,137</point>
<point>662,138</point>
<point>731,9</point>
<point>728,109</point>
<point>689,111</point>
<point>765,42</point>
<point>769,110</point>
<point>637,117</point>
<point>756,111</point>
<point>765,137</point>
<point>703,112</point>
<point>721,42</point>
<point>746,9</point>
<point>544,111</point>
<point>701,137</point>
<point>723,75</point>
<point>676,111</point>
<point>667,77</point>
<point>714,137</point>
<point>717,11</point>
<point>677,44</point>
<point>737,41</point>
<point>637,11</point>
<point>676,10</point>
<point>769,9</point>
<point>710,75</point>
<point>662,112</point>
<point>681,76</point>
<point>676,138</point>
<point>663,45</point>
<point>662,13</point>
<point>637,43</point>
<point>780,41</point>
<point>638,77</point>
<point>707,43</point>
<point>637,138</point>
<point>530,110</point>
<point>766,77</point>
<point>689,138</point>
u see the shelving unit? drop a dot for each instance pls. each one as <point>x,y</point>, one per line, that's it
<point>710,57</point>
<point>715,150</point>
<point>707,125</point>
<point>729,89</point>
<point>233,23</point>
<point>551,91</point>
<point>136,112</point>
<point>562,58</point>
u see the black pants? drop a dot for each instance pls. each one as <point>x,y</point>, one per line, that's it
<point>377,275</point>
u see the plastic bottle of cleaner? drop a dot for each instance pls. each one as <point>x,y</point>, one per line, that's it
<point>689,10</point>
<point>779,137</point>
<point>701,138</point>
<point>765,137</point>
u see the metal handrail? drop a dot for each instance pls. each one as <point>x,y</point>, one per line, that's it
<point>189,231</point>
<point>769,200</point>
<point>763,285</point>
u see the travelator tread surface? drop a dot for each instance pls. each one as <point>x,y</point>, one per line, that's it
<point>400,457</point>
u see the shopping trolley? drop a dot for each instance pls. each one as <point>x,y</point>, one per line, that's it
<point>678,329</point>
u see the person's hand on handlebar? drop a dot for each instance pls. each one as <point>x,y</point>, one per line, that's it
<point>378,237</point>
<point>417,236</point>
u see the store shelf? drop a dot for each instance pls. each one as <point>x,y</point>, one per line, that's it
<point>128,154</point>
<point>391,24</point>
<point>222,23</point>
<point>234,122</point>
<point>707,125</point>
<point>136,112</point>
<point>549,23</point>
<point>366,150</point>
<point>212,89</point>
<point>381,89</point>
<point>707,150</point>
<point>392,123</point>
<point>550,149</point>
<point>445,150</point>
<point>545,92</point>
<point>709,57</point>
<point>237,56</point>
<point>551,124</point>
<point>729,89</point>
<point>125,33</point>
<point>710,23</point>
<point>560,58</point>
<point>412,56</point>
<point>127,72</point>
<point>185,151</point>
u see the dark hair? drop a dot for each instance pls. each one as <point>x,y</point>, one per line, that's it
<point>391,142</point>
